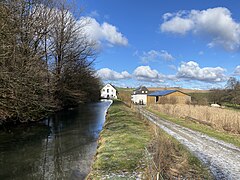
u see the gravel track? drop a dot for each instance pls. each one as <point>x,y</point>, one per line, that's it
<point>223,159</point>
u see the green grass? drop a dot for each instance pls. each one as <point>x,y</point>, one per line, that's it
<point>235,107</point>
<point>121,143</point>
<point>227,137</point>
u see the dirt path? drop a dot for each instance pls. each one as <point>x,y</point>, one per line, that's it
<point>223,159</point>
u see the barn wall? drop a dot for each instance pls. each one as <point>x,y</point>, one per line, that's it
<point>151,99</point>
<point>181,98</point>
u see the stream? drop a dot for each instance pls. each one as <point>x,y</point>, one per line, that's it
<point>60,147</point>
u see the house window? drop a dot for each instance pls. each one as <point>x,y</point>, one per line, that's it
<point>107,90</point>
<point>145,91</point>
<point>103,90</point>
<point>112,90</point>
<point>134,92</point>
<point>142,91</point>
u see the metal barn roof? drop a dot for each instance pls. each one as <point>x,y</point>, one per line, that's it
<point>162,93</point>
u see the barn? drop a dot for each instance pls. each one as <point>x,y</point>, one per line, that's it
<point>168,96</point>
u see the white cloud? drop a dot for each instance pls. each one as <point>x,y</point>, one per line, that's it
<point>145,73</point>
<point>108,74</point>
<point>103,32</point>
<point>177,25</point>
<point>112,35</point>
<point>191,71</point>
<point>185,72</point>
<point>141,73</point>
<point>165,55</point>
<point>166,16</point>
<point>149,56</point>
<point>237,71</point>
<point>154,55</point>
<point>216,24</point>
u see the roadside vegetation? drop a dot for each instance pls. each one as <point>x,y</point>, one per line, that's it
<point>168,159</point>
<point>130,148</point>
<point>46,59</point>
<point>219,127</point>
<point>217,118</point>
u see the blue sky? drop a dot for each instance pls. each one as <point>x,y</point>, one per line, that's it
<point>190,44</point>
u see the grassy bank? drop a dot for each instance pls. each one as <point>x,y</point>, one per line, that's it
<point>171,160</point>
<point>121,145</point>
<point>130,148</point>
<point>210,131</point>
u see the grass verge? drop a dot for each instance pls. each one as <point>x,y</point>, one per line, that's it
<point>126,143</point>
<point>172,160</point>
<point>224,136</point>
<point>121,145</point>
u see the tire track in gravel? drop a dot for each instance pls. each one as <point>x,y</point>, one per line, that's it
<point>223,159</point>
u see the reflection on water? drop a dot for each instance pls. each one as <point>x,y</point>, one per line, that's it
<point>61,147</point>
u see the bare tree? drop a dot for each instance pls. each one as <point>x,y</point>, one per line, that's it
<point>45,59</point>
<point>73,56</point>
<point>23,73</point>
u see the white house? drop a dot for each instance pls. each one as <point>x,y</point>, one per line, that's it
<point>139,95</point>
<point>109,91</point>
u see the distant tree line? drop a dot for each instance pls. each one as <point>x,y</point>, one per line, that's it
<point>46,59</point>
<point>228,96</point>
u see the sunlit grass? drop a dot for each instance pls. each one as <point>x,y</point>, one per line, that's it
<point>122,141</point>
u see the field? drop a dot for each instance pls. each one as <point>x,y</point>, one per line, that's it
<point>220,119</point>
<point>223,124</point>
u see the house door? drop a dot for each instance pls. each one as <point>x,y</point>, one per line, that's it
<point>157,99</point>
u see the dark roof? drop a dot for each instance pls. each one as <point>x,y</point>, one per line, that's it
<point>140,89</point>
<point>110,85</point>
<point>113,86</point>
<point>162,93</point>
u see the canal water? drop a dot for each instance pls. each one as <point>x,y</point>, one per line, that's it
<point>60,147</point>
